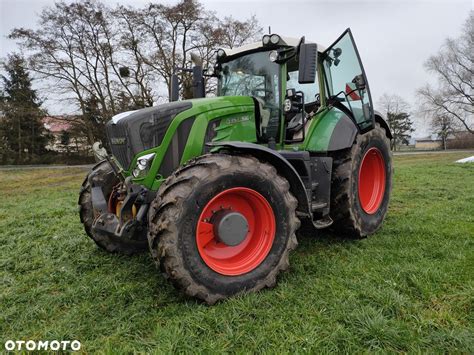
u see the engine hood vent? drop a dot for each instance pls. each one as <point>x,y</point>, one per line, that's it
<point>132,132</point>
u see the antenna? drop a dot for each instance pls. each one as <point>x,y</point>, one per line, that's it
<point>269,30</point>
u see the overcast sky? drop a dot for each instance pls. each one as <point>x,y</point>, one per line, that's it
<point>394,37</point>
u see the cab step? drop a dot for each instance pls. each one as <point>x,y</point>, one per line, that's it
<point>316,206</point>
<point>323,222</point>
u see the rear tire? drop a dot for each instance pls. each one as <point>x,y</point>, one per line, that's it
<point>106,242</point>
<point>361,185</point>
<point>214,270</point>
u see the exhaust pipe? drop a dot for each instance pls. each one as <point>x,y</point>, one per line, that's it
<point>174,96</point>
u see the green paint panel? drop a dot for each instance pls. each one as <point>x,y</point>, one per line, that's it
<point>238,123</point>
<point>319,133</point>
<point>240,126</point>
<point>321,130</point>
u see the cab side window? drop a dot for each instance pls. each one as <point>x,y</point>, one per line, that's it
<point>310,90</point>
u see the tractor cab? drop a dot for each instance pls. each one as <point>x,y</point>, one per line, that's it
<point>292,81</point>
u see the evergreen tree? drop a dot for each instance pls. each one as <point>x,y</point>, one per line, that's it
<point>401,126</point>
<point>23,135</point>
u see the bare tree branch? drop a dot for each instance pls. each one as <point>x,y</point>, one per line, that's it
<point>453,66</point>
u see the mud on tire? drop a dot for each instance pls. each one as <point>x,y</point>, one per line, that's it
<point>174,215</point>
<point>108,243</point>
<point>350,218</point>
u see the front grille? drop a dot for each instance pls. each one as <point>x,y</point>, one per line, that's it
<point>153,131</point>
<point>141,130</point>
<point>119,144</point>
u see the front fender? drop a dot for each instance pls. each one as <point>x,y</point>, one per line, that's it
<point>283,167</point>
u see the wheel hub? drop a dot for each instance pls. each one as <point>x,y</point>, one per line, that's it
<point>235,231</point>
<point>230,228</point>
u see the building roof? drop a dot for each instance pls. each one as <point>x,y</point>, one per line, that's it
<point>56,124</point>
<point>427,140</point>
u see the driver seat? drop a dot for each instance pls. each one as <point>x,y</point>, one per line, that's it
<point>298,134</point>
<point>294,129</point>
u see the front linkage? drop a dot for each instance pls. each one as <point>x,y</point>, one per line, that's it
<point>113,209</point>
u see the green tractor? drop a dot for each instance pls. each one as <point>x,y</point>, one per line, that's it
<point>216,187</point>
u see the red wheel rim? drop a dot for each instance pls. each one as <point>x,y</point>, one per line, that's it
<point>250,253</point>
<point>372,180</point>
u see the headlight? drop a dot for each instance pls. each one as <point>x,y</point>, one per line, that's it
<point>143,165</point>
<point>273,56</point>
<point>221,53</point>
<point>266,40</point>
<point>275,39</point>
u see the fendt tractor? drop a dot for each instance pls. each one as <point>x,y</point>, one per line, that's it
<point>216,187</point>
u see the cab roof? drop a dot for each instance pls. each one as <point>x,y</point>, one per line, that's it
<point>289,41</point>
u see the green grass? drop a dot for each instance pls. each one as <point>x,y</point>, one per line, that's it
<point>408,288</point>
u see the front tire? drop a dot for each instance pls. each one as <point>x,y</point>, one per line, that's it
<point>111,244</point>
<point>361,185</point>
<point>189,237</point>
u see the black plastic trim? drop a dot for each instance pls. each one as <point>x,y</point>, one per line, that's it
<point>175,149</point>
<point>283,167</point>
<point>383,122</point>
<point>343,134</point>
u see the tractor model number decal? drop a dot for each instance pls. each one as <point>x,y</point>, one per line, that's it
<point>118,140</point>
<point>234,120</point>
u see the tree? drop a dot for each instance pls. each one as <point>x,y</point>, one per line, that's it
<point>397,111</point>
<point>393,103</point>
<point>234,33</point>
<point>162,37</point>
<point>443,126</point>
<point>401,127</point>
<point>82,49</point>
<point>22,129</point>
<point>453,67</point>
<point>76,51</point>
<point>65,139</point>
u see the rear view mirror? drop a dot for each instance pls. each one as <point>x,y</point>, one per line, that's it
<point>308,56</point>
<point>359,81</point>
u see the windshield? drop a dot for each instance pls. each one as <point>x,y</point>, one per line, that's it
<point>251,75</point>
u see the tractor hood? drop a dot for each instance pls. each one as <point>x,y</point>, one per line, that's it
<point>130,133</point>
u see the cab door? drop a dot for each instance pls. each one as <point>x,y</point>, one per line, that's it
<point>346,82</point>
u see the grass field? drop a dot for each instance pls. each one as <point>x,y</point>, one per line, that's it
<point>410,287</point>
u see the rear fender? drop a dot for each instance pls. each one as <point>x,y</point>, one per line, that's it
<point>332,130</point>
<point>335,131</point>
<point>380,119</point>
